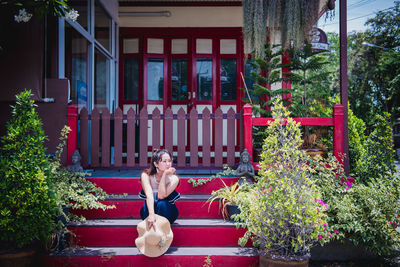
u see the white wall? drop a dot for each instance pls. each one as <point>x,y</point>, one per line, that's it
<point>230,16</point>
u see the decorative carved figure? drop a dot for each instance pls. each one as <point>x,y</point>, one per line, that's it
<point>75,162</point>
<point>245,169</point>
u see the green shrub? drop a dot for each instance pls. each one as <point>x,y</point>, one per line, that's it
<point>366,214</point>
<point>26,207</point>
<point>285,212</point>
<point>377,161</point>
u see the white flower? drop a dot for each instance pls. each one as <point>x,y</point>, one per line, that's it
<point>22,16</point>
<point>72,15</point>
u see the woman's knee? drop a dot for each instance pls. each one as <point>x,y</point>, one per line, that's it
<point>168,210</point>
<point>163,205</point>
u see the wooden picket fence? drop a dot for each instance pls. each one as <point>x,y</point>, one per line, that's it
<point>109,140</point>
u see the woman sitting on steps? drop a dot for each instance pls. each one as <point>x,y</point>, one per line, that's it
<point>159,183</point>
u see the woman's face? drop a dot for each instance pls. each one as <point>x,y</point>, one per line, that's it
<point>165,162</point>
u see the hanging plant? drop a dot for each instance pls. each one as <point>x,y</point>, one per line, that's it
<point>292,18</point>
<point>254,26</point>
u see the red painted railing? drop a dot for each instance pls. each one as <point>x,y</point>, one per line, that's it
<point>108,140</point>
<point>336,121</point>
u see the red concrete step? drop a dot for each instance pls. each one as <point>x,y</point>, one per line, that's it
<point>189,206</point>
<point>175,256</point>
<point>187,232</point>
<point>132,186</point>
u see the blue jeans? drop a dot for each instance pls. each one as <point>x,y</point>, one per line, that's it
<point>163,208</point>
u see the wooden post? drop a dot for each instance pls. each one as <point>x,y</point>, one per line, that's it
<point>105,138</point>
<point>338,132</point>
<point>84,137</point>
<point>248,129</point>
<point>131,137</point>
<point>344,80</point>
<point>72,122</point>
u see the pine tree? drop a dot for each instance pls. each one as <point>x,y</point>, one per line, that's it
<point>269,72</point>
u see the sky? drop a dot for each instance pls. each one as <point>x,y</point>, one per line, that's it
<point>358,12</point>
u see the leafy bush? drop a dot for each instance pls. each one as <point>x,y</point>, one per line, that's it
<point>365,214</point>
<point>377,162</point>
<point>26,207</point>
<point>72,189</point>
<point>285,213</point>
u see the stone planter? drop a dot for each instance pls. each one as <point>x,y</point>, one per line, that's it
<point>337,251</point>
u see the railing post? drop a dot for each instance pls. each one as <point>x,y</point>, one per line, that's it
<point>338,132</point>
<point>72,122</point>
<point>248,129</point>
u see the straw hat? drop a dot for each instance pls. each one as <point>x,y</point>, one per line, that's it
<point>154,243</point>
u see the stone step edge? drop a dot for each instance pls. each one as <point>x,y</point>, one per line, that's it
<point>184,197</point>
<point>176,251</point>
<point>180,223</point>
<point>185,177</point>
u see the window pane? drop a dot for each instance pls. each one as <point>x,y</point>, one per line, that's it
<point>82,7</point>
<point>228,79</point>
<point>102,26</point>
<point>76,66</point>
<point>101,82</point>
<point>155,79</point>
<point>179,46</point>
<point>179,79</point>
<point>131,45</point>
<point>204,79</point>
<point>203,46</point>
<point>248,69</point>
<point>131,79</point>
<point>155,46</point>
<point>227,46</point>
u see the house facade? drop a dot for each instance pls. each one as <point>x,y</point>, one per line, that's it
<point>159,56</point>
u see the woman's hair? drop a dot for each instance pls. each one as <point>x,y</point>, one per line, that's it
<point>156,157</point>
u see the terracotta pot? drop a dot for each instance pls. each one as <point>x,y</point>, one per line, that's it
<point>266,261</point>
<point>315,152</point>
<point>18,258</point>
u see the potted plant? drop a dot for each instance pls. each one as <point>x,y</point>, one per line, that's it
<point>27,209</point>
<point>284,215</point>
<point>229,197</point>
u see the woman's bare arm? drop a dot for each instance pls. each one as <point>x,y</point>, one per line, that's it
<point>163,189</point>
<point>145,180</point>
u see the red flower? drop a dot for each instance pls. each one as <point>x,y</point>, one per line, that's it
<point>336,231</point>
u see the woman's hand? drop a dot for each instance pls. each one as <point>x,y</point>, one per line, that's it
<point>151,221</point>
<point>170,171</point>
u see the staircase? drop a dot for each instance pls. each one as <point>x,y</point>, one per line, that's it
<point>107,238</point>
